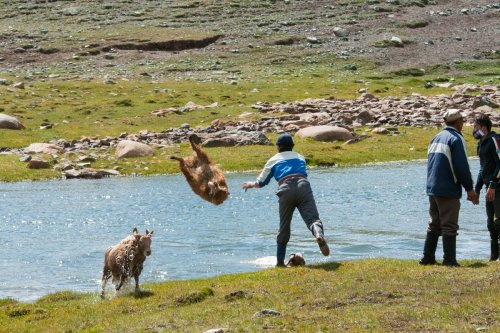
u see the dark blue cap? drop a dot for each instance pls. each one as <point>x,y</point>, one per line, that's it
<point>285,140</point>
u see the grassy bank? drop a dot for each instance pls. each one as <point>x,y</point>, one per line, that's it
<point>377,295</point>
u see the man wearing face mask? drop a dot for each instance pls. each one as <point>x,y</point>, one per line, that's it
<point>488,149</point>
<point>447,172</point>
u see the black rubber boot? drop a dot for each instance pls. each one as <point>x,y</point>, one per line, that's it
<point>430,245</point>
<point>494,250</point>
<point>450,251</point>
<point>280,255</point>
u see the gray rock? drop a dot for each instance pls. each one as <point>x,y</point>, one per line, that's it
<point>128,148</point>
<point>267,312</point>
<point>9,122</point>
<point>340,32</point>
<point>43,148</point>
<point>37,163</point>
<point>325,133</point>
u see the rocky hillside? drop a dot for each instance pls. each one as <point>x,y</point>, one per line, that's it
<point>165,38</point>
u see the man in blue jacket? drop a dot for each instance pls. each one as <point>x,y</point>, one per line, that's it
<point>488,150</point>
<point>447,172</point>
<point>294,191</point>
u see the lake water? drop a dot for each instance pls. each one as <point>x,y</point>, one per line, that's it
<point>53,233</point>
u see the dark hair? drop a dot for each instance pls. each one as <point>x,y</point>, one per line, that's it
<point>284,148</point>
<point>483,120</point>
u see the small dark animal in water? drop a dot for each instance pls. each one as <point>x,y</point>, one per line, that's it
<point>296,259</point>
<point>203,175</point>
<point>126,259</point>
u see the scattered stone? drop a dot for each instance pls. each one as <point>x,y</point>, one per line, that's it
<point>267,312</point>
<point>128,148</point>
<point>396,41</point>
<point>43,148</point>
<point>18,85</point>
<point>340,32</point>
<point>313,40</point>
<point>325,133</point>
<point>37,163</point>
<point>380,130</point>
<point>215,330</point>
<point>9,122</point>
<point>25,158</point>
<point>89,173</point>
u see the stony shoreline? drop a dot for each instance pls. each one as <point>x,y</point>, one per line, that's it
<point>384,115</point>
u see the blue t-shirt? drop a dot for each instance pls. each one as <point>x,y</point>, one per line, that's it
<point>281,165</point>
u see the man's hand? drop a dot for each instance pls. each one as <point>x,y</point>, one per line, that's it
<point>247,185</point>
<point>473,197</point>
<point>490,194</point>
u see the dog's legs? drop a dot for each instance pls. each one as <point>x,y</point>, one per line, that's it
<point>202,156</point>
<point>104,280</point>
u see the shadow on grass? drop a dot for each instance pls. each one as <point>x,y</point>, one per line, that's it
<point>477,264</point>
<point>143,294</point>
<point>328,266</point>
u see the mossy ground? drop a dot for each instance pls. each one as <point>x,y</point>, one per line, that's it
<point>378,295</point>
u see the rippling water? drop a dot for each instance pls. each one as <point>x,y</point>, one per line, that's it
<point>53,234</point>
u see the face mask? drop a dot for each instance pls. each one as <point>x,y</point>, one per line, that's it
<point>478,134</point>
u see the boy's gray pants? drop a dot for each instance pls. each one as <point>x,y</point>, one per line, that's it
<point>296,193</point>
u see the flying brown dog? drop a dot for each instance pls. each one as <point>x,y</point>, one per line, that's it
<point>203,175</point>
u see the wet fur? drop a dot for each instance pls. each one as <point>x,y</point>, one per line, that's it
<point>296,259</point>
<point>203,175</point>
<point>126,259</point>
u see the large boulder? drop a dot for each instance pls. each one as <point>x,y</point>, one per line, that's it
<point>9,122</point>
<point>89,173</point>
<point>129,148</point>
<point>38,164</point>
<point>43,148</point>
<point>325,133</point>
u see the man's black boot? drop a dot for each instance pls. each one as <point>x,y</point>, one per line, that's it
<point>494,250</point>
<point>280,254</point>
<point>450,251</point>
<point>430,245</point>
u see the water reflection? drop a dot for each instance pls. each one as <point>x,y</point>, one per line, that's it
<point>53,234</point>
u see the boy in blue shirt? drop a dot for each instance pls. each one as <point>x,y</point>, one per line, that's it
<point>294,191</point>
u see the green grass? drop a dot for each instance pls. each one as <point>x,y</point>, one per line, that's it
<point>379,295</point>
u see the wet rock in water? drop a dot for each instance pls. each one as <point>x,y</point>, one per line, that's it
<point>9,122</point>
<point>89,173</point>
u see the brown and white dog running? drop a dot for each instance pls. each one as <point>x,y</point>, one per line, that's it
<point>126,259</point>
<point>203,175</point>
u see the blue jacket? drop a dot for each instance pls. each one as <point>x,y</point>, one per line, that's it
<point>488,151</point>
<point>447,165</point>
<point>281,165</point>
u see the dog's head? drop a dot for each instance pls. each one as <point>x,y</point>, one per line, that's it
<point>296,259</point>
